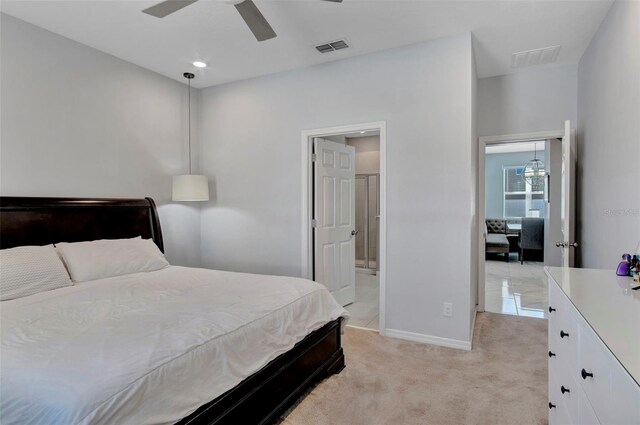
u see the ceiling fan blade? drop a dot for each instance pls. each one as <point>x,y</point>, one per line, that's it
<point>167,7</point>
<point>255,21</point>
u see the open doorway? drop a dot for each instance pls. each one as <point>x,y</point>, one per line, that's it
<point>518,217</point>
<point>345,203</point>
<point>526,207</point>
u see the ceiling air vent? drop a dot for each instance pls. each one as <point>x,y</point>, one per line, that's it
<point>332,46</point>
<point>541,56</point>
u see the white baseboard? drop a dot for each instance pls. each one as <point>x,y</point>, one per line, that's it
<point>428,339</point>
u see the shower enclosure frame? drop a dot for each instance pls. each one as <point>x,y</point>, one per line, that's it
<point>366,177</point>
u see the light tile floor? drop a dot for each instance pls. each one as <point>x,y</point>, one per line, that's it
<point>517,289</point>
<point>364,311</point>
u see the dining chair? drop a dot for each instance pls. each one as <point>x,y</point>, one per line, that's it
<point>531,235</point>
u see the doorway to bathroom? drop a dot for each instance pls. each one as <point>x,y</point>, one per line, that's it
<point>345,207</point>
<point>363,301</point>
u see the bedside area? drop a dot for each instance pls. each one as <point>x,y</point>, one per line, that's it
<point>594,347</point>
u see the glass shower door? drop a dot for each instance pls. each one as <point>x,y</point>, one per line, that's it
<point>367,220</point>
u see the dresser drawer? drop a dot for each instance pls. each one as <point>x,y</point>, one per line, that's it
<point>571,406</point>
<point>560,308</point>
<point>595,359</point>
<point>563,327</point>
<point>567,389</point>
<point>558,411</point>
<point>555,364</point>
<point>566,340</point>
<point>611,391</point>
<point>555,299</point>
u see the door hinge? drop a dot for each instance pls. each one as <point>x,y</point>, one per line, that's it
<point>314,223</point>
<point>314,157</point>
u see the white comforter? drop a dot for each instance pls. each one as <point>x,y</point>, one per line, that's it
<point>147,347</point>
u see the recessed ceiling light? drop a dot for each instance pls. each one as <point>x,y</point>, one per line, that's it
<point>362,132</point>
<point>199,64</point>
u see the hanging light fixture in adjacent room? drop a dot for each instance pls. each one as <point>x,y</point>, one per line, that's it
<point>190,187</point>
<point>534,173</point>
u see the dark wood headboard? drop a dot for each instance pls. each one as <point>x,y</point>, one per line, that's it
<point>43,221</point>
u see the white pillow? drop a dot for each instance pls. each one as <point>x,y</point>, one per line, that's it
<point>27,270</point>
<point>110,257</point>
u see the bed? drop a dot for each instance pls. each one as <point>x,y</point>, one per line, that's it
<point>201,346</point>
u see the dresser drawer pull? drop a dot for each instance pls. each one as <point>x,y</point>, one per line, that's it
<point>553,354</point>
<point>551,309</point>
<point>551,405</point>
<point>584,374</point>
<point>564,390</point>
<point>563,334</point>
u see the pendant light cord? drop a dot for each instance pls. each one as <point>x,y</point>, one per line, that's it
<point>189,76</point>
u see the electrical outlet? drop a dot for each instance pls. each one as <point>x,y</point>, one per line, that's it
<point>447,309</point>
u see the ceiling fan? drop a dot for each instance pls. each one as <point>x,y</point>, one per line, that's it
<point>247,9</point>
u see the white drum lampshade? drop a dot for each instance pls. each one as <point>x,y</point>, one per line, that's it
<point>190,187</point>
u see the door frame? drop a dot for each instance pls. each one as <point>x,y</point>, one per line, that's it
<point>483,142</point>
<point>307,191</point>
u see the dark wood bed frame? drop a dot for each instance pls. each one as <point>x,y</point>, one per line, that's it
<point>260,399</point>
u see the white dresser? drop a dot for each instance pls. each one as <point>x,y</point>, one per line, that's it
<point>594,348</point>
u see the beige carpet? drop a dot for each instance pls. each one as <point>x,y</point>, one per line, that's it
<point>503,380</point>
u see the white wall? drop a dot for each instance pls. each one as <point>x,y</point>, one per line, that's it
<point>528,101</point>
<point>609,139</point>
<point>367,153</point>
<point>78,122</point>
<point>251,146</point>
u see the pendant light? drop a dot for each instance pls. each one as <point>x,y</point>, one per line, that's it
<point>534,172</point>
<point>190,187</point>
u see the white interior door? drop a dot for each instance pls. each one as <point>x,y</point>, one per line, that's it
<point>334,218</point>
<point>568,210</point>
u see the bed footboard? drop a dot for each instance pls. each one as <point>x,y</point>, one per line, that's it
<point>265,395</point>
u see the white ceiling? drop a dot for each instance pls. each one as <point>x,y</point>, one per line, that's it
<point>212,31</point>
